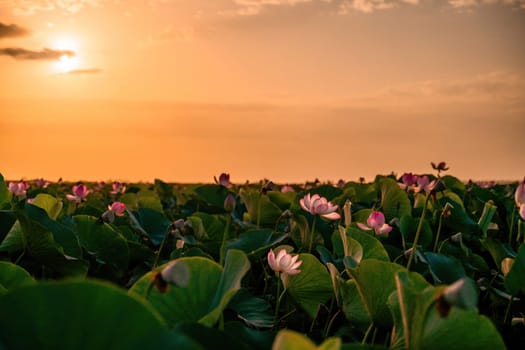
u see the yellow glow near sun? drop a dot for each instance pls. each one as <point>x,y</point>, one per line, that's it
<point>66,63</point>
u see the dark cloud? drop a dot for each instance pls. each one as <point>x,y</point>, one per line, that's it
<point>85,71</point>
<point>12,30</point>
<point>45,54</point>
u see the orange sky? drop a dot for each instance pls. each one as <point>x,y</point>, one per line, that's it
<point>289,90</point>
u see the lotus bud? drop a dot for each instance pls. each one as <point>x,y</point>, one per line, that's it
<point>229,203</point>
<point>441,166</point>
<point>347,212</point>
<point>287,188</point>
<point>118,208</point>
<point>224,180</point>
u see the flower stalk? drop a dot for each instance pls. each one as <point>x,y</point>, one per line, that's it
<point>418,232</point>
<point>312,234</point>
<point>225,235</point>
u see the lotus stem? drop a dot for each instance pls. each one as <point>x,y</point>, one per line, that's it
<point>312,234</point>
<point>511,228</point>
<point>367,333</point>
<point>518,237</point>
<point>259,211</point>
<point>157,257</point>
<point>507,311</point>
<point>329,325</point>
<point>374,335</point>
<point>279,297</point>
<point>440,224</point>
<point>225,238</point>
<point>418,232</point>
<point>20,257</point>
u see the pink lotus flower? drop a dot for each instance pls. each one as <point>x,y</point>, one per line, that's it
<point>224,180</point>
<point>41,183</point>
<point>424,184</point>
<point>118,208</point>
<point>284,264</point>
<point>18,188</point>
<point>519,197</point>
<point>485,184</point>
<point>408,180</point>
<point>287,188</point>
<point>319,205</point>
<point>117,187</point>
<point>376,222</point>
<point>80,192</point>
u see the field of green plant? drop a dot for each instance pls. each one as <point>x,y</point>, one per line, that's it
<point>403,262</point>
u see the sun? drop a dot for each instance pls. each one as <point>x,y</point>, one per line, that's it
<point>66,63</point>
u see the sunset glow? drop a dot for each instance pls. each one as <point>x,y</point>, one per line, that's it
<point>66,63</point>
<point>285,90</point>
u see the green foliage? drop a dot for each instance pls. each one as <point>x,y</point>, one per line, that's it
<point>444,269</point>
<point>257,203</point>
<point>372,247</point>
<point>50,204</point>
<point>423,320</point>
<point>354,286</point>
<point>408,227</point>
<point>515,279</point>
<point>102,242</point>
<point>154,223</point>
<point>207,294</point>
<point>256,243</point>
<point>290,340</point>
<point>13,276</point>
<point>5,195</point>
<point>212,195</point>
<point>394,201</point>
<point>77,315</point>
<point>312,287</point>
<point>375,282</point>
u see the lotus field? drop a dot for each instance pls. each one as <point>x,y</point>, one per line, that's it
<point>420,261</point>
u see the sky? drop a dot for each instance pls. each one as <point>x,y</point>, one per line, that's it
<point>287,90</point>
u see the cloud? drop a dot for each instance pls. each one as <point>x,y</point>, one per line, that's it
<point>12,30</point>
<point>369,6</point>
<point>31,7</point>
<point>502,89</point>
<point>24,54</point>
<point>255,7</point>
<point>494,83</point>
<point>170,34</point>
<point>459,4</point>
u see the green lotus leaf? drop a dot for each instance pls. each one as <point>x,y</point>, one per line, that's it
<point>102,241</point>
<point>291,340</point>
<point>312,286</point>
<point>77,315</point>
<point>50,204</point>
<point>13,276</point>
<point>515,279</point>
<point>209,289</point>
<point>394,201</point>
